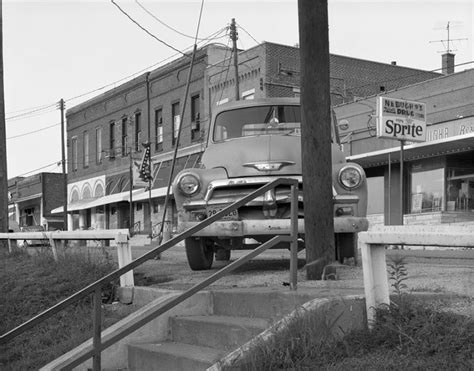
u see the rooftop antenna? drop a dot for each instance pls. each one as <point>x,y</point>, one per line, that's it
<point>446,42</point>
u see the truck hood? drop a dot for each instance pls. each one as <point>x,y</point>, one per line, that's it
<point>256,156</point>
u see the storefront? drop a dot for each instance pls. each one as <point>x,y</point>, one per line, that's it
<point>438,182</point>
<point>438,173</point>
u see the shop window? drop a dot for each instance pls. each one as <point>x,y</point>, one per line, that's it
<point>427,189</point>
<point>375,188</point>
<point>139,206</point>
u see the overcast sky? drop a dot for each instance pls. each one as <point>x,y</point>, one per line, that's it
<point>66,49</point>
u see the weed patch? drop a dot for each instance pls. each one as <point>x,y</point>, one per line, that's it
<point>32,284</point>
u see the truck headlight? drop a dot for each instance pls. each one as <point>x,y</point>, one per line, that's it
<point>350,177</point>
<point>189,184</point>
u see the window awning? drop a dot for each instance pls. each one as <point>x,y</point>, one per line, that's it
<point>155,193</point>
<point>137,195</point>
<point>100,201</point>
<point>416,151</point>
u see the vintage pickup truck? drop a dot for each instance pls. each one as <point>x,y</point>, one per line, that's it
<point>251,143</point>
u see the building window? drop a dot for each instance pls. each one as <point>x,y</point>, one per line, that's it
<point>138,131</point>
<point>249,94</point>
<point>74,153</point>
<point>86,149</point>
<point>158,130</point>
<point>222,101</point>
<point>176,122</point>
<point>195,118</point>
<point>124,137</point>
<point>112,140</point>
<point>98,145</point>
<point>427,189</point>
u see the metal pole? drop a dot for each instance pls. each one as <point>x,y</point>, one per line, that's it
<point>389,206</point>
<point>97,321</point>
<point>131,189</point>
<point>63,160</point>
<point>149,143</point>
<point>402,142</point>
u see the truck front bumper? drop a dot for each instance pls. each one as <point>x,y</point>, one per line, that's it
<point>245,228</point>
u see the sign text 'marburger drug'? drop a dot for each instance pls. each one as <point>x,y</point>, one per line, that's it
<point>401,119</point>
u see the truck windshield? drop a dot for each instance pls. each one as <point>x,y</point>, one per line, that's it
<point>259,120</point>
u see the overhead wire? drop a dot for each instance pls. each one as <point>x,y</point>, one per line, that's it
<point>243,29</point>
<point>148,32</point>
<point>166,25</point>
<point>57,163</point>
<point>33,132</point>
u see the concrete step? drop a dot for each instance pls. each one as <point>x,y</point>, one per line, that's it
<point>169,356</point>
<point>220,332</point>
<point>257,303</point>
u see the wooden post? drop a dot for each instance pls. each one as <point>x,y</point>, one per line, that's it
<point>124,254</point>
<point>375,278</point>
<point>316,136</point>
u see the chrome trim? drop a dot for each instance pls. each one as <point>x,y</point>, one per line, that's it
<point>243,181</point>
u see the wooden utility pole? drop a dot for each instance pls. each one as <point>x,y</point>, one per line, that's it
<point>234,37</point>
<point>3,143</point>
<point>316,136</point>
<point>63,160</point>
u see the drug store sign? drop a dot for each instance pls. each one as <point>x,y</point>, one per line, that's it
<point>401,119</point>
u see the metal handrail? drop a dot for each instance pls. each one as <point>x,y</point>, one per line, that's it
<point>95,288</point>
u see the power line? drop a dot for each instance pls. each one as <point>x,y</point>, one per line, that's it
<point>40,168</point>
<point>148,32</point>
<point>32,132</point>
<point>253,38</point>
<point>166,25</point>
<point>32,112</point>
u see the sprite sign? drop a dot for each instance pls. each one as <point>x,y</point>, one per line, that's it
<point>401,119</point>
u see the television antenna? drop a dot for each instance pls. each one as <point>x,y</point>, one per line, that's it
<point>447,41</point>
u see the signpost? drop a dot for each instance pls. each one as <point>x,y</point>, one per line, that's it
<point>401,120</point>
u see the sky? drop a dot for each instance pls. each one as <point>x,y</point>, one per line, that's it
<point>77,49</point>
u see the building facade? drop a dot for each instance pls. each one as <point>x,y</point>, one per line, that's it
<point>438,174</point>
<point>106,134</point>
<point>32,199</point>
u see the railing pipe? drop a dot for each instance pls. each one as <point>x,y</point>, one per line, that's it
<point>294,238</point>
<point>97,322</point>
<point>97,286</point>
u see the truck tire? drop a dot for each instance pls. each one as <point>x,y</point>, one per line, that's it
<point>200,253</point>
<point>346,246</point>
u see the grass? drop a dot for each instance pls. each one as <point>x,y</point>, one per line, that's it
<point>409,334</point>
<point>31,284</point>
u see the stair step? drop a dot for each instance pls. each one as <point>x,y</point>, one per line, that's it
<point>171,356</point>
<point>257,304</point>
<point>221,332</point>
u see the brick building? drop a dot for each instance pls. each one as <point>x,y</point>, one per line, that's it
<point>105,134</point>
<point>32,199</point>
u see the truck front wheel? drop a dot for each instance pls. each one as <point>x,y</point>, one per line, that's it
<point>200,253</point>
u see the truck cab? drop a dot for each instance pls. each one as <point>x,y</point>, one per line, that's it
<point>251,143</point>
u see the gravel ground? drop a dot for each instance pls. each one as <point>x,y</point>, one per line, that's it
<point>449,273</point>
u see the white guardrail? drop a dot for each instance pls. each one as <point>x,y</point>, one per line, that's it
<point>373,244</point>
<point>57,239</point>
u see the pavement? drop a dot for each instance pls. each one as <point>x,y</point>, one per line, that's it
<point>447,272</point>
